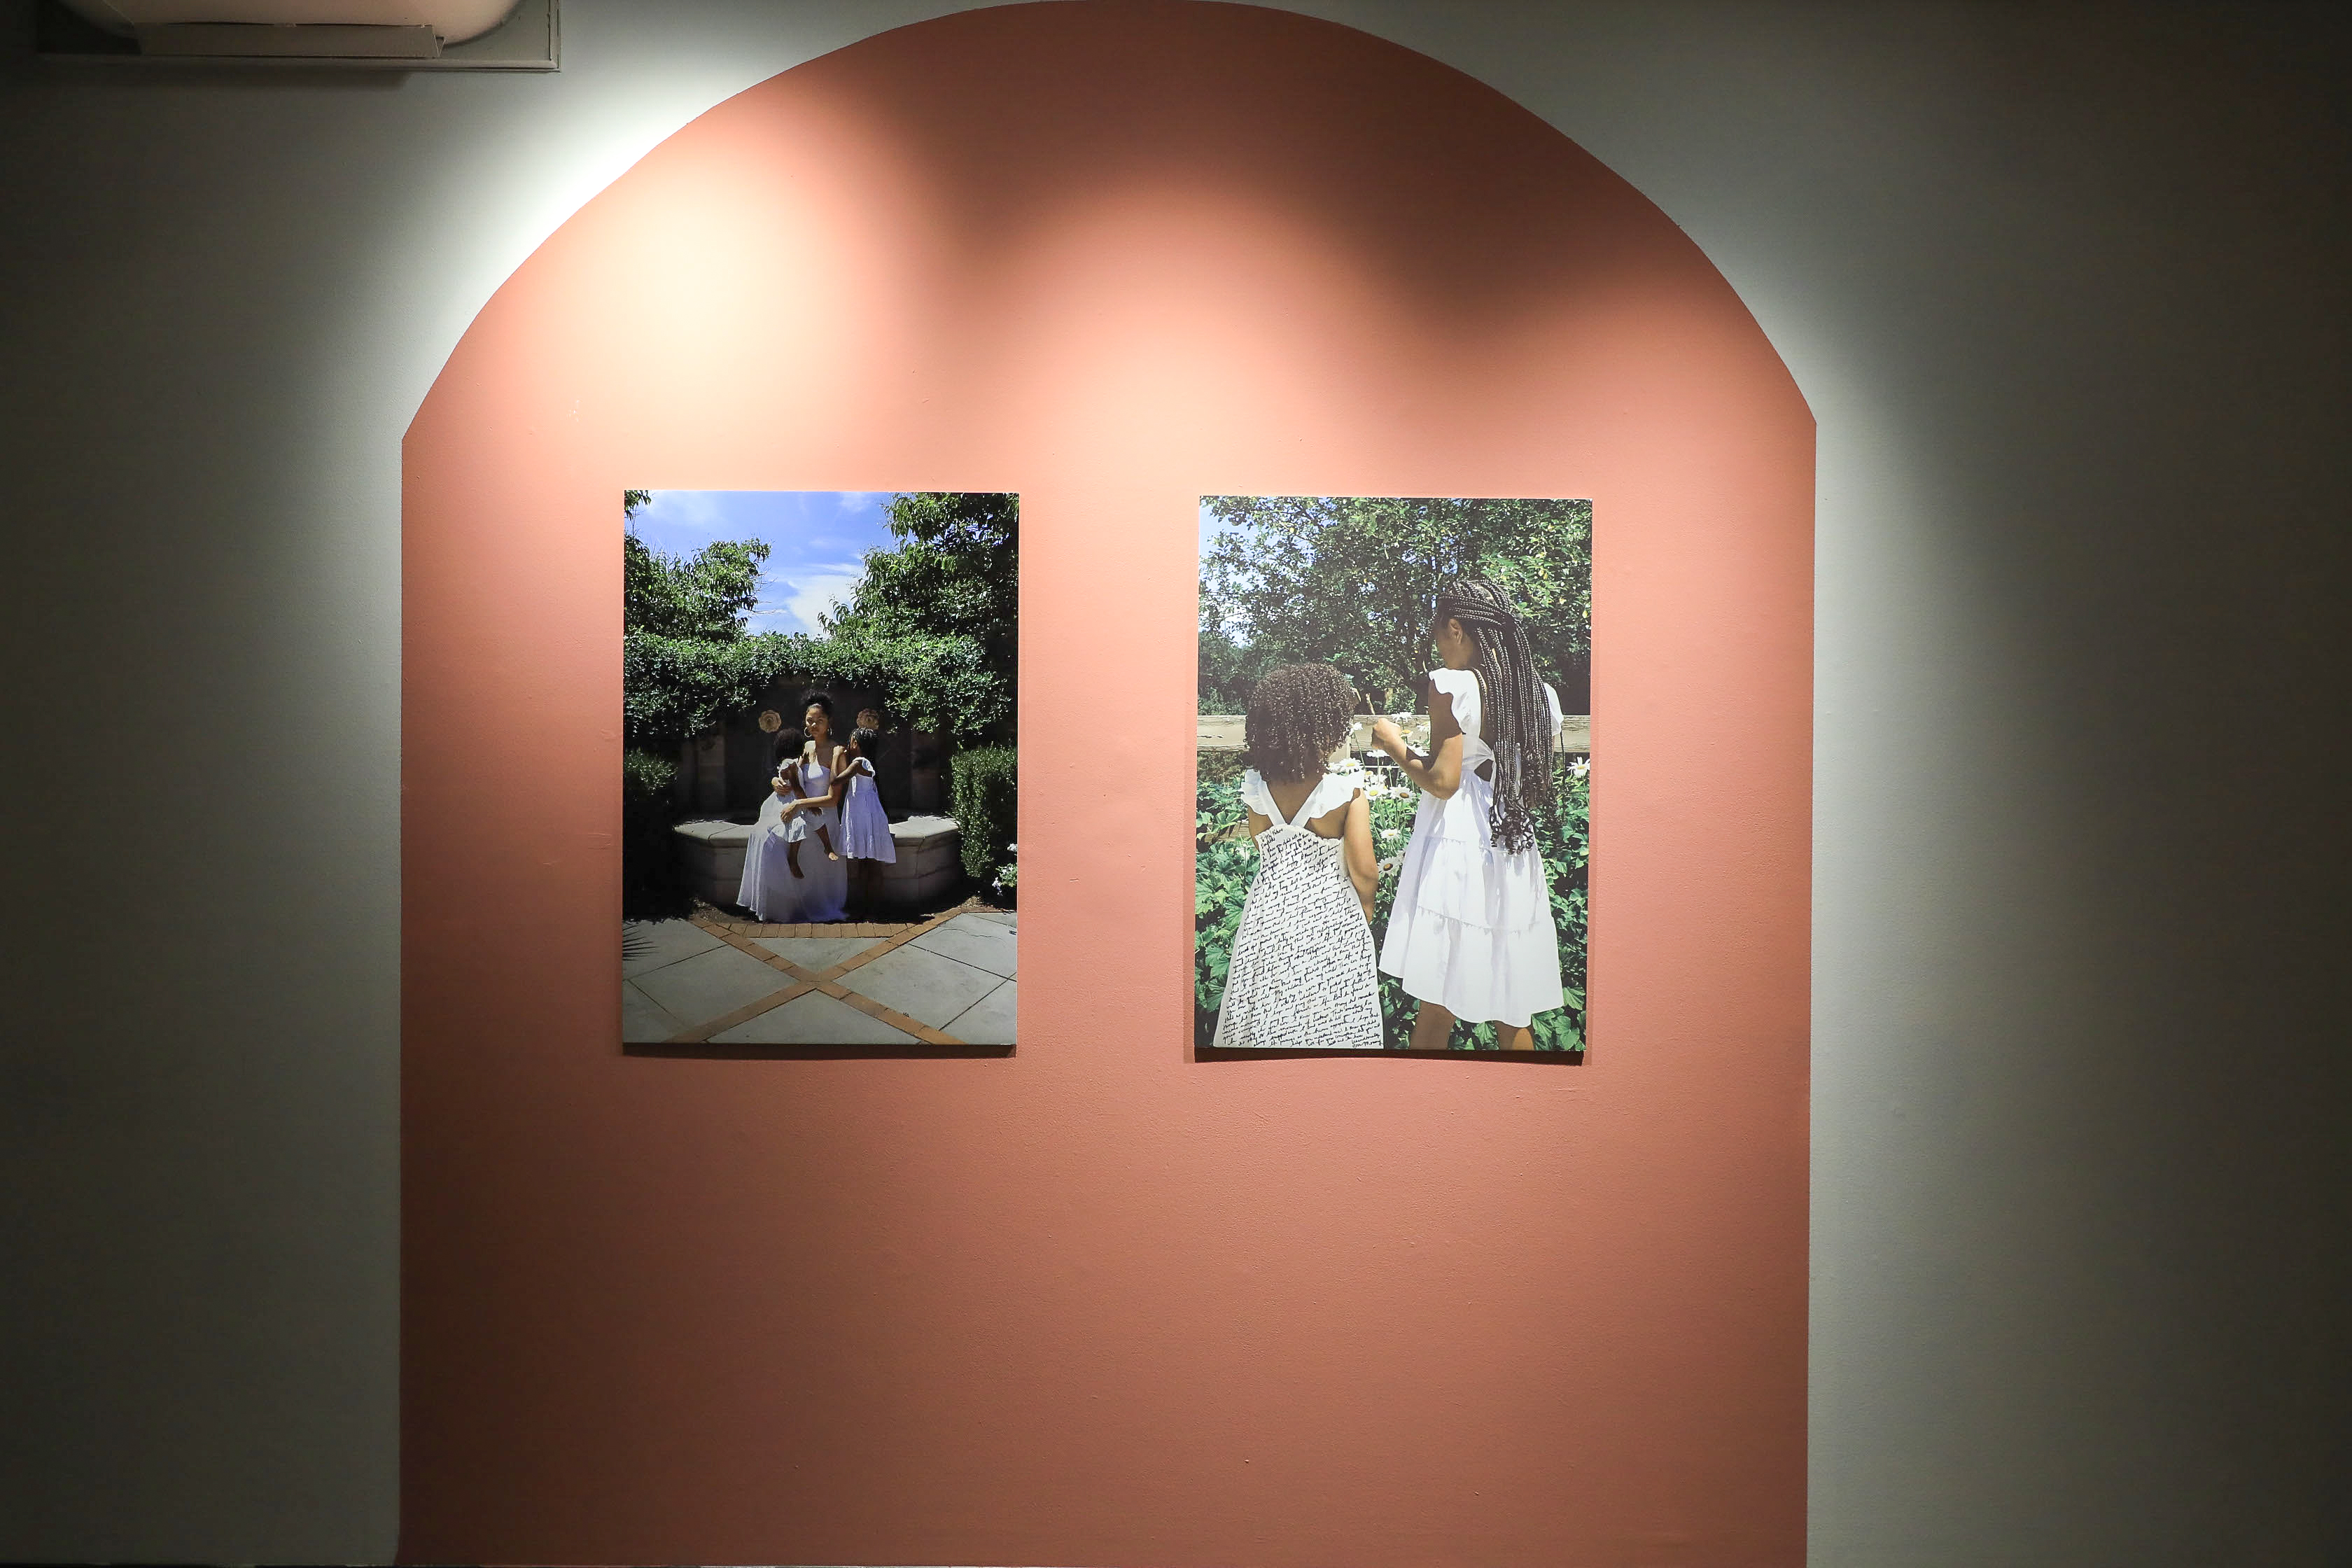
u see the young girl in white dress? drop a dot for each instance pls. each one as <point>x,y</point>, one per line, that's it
<point>1470,936</point>
<point>864,826</point>
<point>1302,975</point>
<point>798,825</point>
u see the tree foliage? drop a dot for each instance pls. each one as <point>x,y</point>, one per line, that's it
<point>708,594</point>
<point>955,572</point>
<point>932,626</point>
<point>1351,580</point>
<point>1228,670</point>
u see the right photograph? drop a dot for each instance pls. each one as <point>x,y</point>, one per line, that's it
<point>1392,813</point>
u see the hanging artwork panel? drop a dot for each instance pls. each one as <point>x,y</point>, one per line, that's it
<point>1393,781</point>
<point>819,784</point>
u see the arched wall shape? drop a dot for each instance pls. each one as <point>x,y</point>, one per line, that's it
<point>1099,1301</point>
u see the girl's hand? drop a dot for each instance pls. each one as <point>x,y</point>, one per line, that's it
<point>1389,738</point>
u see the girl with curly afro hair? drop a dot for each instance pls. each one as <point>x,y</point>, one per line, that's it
<point>1302,974</point>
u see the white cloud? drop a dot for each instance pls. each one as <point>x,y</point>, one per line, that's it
<point>809,593</point>
<point>695,511</point>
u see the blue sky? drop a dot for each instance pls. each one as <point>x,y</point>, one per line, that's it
<point>817,543</point>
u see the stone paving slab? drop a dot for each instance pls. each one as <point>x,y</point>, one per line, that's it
<point>815,1019</point>
<point>999,917</point>
<point>989,1021</point>
<point>926,986</point>
<point>644,1021</point>
<point>657,944</point>
<point>817,953</point>
<point>983,944</point>
<point>710,983</point>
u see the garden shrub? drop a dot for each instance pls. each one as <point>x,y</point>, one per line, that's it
<point>1219,767</point>
<point>651,887</point>
<point>983,787</point>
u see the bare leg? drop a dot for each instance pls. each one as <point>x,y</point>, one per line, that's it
<point>793,855</point>
<point>1515,1036</point>
<point>1432,1025</point>
<point>824,837</point>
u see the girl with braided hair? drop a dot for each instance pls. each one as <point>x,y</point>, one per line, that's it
<point>1301,976</point>
<point>1471,936</point>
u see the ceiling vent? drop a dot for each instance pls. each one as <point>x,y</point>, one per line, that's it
<point>399,35</point>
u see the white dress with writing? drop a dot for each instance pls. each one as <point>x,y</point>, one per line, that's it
<point>1302,974</point>
<point>864,826</point>
<point>1471,929</point>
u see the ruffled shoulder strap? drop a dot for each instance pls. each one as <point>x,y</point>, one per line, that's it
<point>1455,683</point>
<point>1257,797</point>
<point>1462,686</point>
<point>1333,792</point>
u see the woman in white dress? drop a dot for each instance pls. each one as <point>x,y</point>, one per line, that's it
<point>1301,976</point>
<point>768,835</point>
<point>820,894</point>
<point>1470,936</point>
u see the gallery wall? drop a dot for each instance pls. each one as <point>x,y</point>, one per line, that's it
<point>2064,293</point>
<point>1101,1301</point>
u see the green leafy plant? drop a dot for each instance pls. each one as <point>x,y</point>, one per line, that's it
<point>1224,866</point>
<point>1219,767</point>
<point>984,788</point>
<point>651,888</point>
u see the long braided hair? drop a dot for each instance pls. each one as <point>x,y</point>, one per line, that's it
<point>1517,716</point>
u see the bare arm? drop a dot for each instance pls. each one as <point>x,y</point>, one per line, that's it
<point>1440,772</point>
<point>840,781</point>
<point>1363,864</point>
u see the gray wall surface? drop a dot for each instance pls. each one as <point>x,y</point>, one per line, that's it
<point>2067,288</point>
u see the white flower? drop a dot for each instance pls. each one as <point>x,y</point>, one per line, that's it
<point>1392,834</point>
<point>1582,766</point>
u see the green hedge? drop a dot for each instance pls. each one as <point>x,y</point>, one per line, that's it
<point>675,687</point>
<point>651,887</point>
<point>984,787</point>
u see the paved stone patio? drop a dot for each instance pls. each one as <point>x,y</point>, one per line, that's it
<point>951,980</point>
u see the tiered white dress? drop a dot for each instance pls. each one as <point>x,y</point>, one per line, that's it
<point>864,826</point>
<point>769,890</point>
<point>1471,929</point>
<point>1302,975</point>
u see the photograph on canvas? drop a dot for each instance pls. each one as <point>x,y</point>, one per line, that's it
<point>1394,774</point>
<point>818,772</point>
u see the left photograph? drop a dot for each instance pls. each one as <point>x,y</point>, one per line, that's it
<point>820,780</point>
